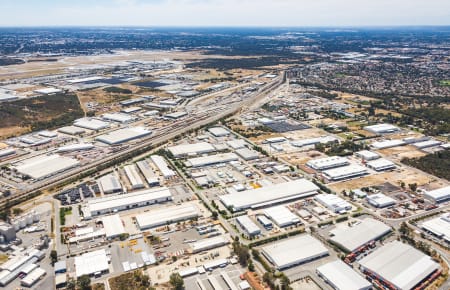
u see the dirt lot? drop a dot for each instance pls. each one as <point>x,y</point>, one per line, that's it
<point>400,152</point>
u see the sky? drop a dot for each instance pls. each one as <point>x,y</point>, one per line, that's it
<point>267,13</point>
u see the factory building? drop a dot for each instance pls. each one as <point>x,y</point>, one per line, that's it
<point>341,276</point>
<point>333,203</point>
<point>71,130</point>
<point>367,155</point>
<point>211,160</point>
<point>327,163</point>
<point>382,129</point>
<point>134,177</point>
<point>247,154</point>
<point>118,117</point>
<point>33,277</point>
<point>176,115</point>
<point>7,232</point>
<point>109,184</point>
<point>44,166</point>
<point>237,144</point>
<point>162,166</point>
<point>387,144</point>
<point>250,228</point>
<point>345,172</point>
<point>281,216</point>
<point>7,152</point>
<point>191,149</point>
<point>123,135</point>
<point>92,263</point>
<point>113,226</point>
<point>294,251</point>
<point>164,216</point>
<point>91,124</point>
<point>438,195</point>
<point>75,147</point>
<point>380,200</point>
<point>120,202</point>
<point>439,226</point>
<point>208,244</point>
<point>427,144</point>
<point>314,141</point>
<point>350,238</point>
<point>219,132</point>
<point>381,164</point>
<point>265,222</point>
<point>398,265</point>
<point>150,176</point>
<point>269,195</point>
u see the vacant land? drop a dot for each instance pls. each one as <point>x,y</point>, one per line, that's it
<point>130,280</point>
<point>436,164</point>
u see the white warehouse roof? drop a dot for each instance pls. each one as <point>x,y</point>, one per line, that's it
<point>382,128</point>
<point>269,194</point>
<point>188,149</point>
<point>367,155</point>
<point>282,216</point>
<point>345,172</point>
<point>71,130</point>
<point>365,231</point>
<point>380,200</point>
<point>248,225</point>
<point>400,264</point>
<point>211,159</point>
<point>118,117</point>
<point>91,124</point>
<point>162,216</point>
<point>113,226</point>
<point>123,135</point>
<point>91,262</point>
<point>328,162</point>
<point>294,251</point>
<point>75,147</point>
<point>219,131</point>
<point>387,144</point>
<point>162,165</point>
<point>237,144</point>
<point>209,243</point>
<point>381,164</point>
<point>342,277</point>
<point>439,226</point>
<point>45,165</point>
<point>333,202</point>
<point>109,183</point>
<point>438,195</point>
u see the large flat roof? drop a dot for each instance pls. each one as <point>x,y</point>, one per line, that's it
<point>113,225</point>
<point>45,166</point>
<point>328,162</point>
<point>400,264</point>
<point>162,216</point>
<point>382,128</point>
<point>440,194</point>
<point>269,194</point>
<point>209,243</point>
<point>440,226</point>
<point>123,135</point>
<point>294,251</point>
<point>348,171</point>
<point>194,148</point>
<point>211,159</point>
<point>343,277</point>
<point>91,124</point>
<point>118,117</point>
<point>366,230</point>
<point>91,262</point>
<point>281,215</point>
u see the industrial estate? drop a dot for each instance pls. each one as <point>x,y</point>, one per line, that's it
<point>170,173</point>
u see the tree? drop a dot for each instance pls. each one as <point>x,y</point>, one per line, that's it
<point>413,186</point>
<point>54,257</point>
<point>84,282</point>
<point>176,281</point>
<point>251,267</point>
<point>71,285</point>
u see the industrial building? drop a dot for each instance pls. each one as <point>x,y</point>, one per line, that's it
<point>7,232</point>
<point>333,203</point>
<point>269,195</point>
<point>281,216</point>
<point>275,140</point>
<point>211,160</point>
<point>341,276</point>
<point>71,130</point>
<point>399,265</point>
<point>150,176</point>
<point>367,155</point>
<point>438,195</point>
<point>191,149</point>
<point>350,238</point>
<point>75,147</point>
<point>90,263</point>
<point>219,132</point>
<point>265,222</point>
<point>328,163</point>
<point>427,144</point>
<point>163,216</point>
<point>118,117</point>
<point>176,115</point>
<point>345,172</point>
<point>314,141</point>
<point>208,244</point>
<point>44,166</point>
<point>439,226</point>
<point>382,129</point>
<point>109,184</point>
<point>387,144</point>
<point>123,135</point>
<point>247,154</point>
<point>91,124</point>
<point>133,176</point>
<point>33,277</point>
<point>113,226</point>
<point>11,269</point>
<point>294,251</point>
<point>162,166</point>
<point>7,152</point>
<point>250,228</point>
<point>237,144</point>
<point>131,110</point>
<point>380,200</point>
<point>381,164</point>
<point>120,202</point>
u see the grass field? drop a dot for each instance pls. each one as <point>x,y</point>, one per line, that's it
<point>445,83</point>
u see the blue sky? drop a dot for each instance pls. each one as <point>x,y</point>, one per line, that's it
<point>224,12</point>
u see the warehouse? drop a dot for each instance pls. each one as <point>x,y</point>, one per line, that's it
<point>219,132</point>
<point>438,195</point>
<point>113,226</point>
<point>163,216</point>
<point>109,184</point>
<point>248,226</point>
<point>75,147</point>
<point>327,163</point>
<point>116,203</point>
<point>162,166</point>
<point>48,91</point>
<point>7,152</point>
<point>381,164</point>
<point>398,264</point>
<point>211,160</point>
<point>333,203</point>
<point>265,222</point>
<point>380,200</point>
<point>118,117</point>
<point>150,176</point>
<point>367,155</point>
<point>191,149</point>
<point>131,110</point>
<point>91,124</point>
<point>237,144</point>
<point>176,115</point>
<point>91,263</point>
<point>123,135</point>
<point>33,277</point>
<point>382,129</point>
<point>440,227</point>
<point>247,154</point>
<point>275,140</point>
<point>134,177</point>
<point>427,144</point>
<point>48,134</point>
<point>71,130</point>
<point>357,235</point>
<point>44,166</point>
<point>281,216</point>
<point>314,141</point>
<point>342,277</point>
<point>387,144</point>
<point>294,251</point>
<point>208,244</point>
<point>34,140</point>
<point>269,195</point>
<point>345,172</point>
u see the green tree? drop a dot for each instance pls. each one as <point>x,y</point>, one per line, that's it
<point>54,257</point>
<point>84,282</point>
<point>413,187</point>
<point>176,281</point>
